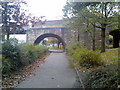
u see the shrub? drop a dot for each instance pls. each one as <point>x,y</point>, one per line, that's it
<point>11,57</point>
<point>40,51</point>
<point>0,63</point>
<point>31,52</point>
<point>72,47</point>
<point>28,55</point>
<point>6,67</point>
<point>84,57</point>
<point>15,56</point>
<point>0,56</point>
<point>90,58</point>
<point>11,50</point>
<point>105,77</point>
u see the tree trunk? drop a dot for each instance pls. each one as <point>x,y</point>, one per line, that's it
<point>3,36</point>
<point>58,44</point>
<point>6,22</point>
<point>93,39</point>
<point>78,38</point>
<point>103,38</point>
<point>93,44</point>
<point>119,22</point>
<point>8,34</point>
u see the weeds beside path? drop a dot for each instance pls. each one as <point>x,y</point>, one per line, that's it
<point>102,68</point>
<point>19,76</point>
<point>16,57</point>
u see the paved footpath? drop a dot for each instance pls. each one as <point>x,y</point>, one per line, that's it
<point>55,73</point>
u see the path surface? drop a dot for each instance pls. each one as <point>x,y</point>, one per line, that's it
<point>55,73</point>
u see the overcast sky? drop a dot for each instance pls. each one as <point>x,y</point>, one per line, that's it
<point>52,9</point>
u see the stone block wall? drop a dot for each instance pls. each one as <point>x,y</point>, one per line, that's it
<point>69,36</point>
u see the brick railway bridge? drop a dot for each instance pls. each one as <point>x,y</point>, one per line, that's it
<point>57,29</point>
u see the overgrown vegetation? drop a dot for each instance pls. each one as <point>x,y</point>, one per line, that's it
<point>103,67</point>
<point>110,57</point>
<point>83,57</point>
<point>103,77</point>
<point>0,56</point>
<point>0,63</point>
<point>31,52</point>
<point>15,56</point>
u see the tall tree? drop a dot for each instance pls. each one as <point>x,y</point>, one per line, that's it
<point>14,17</point>
<point>83,20</point>
<point>103,14</point>
<point>11,16</point>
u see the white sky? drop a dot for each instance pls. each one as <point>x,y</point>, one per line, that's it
<point>19,37</point>
<point>52,9</point>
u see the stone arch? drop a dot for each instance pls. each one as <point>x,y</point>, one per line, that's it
<point>116,37</point>
<point>41,37</point>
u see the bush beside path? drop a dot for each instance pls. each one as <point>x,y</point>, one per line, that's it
<point>18,61</point>
<point>99,70</point>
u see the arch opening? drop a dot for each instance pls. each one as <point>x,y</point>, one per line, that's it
<point>48,35</point>
<point>116,37</point>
